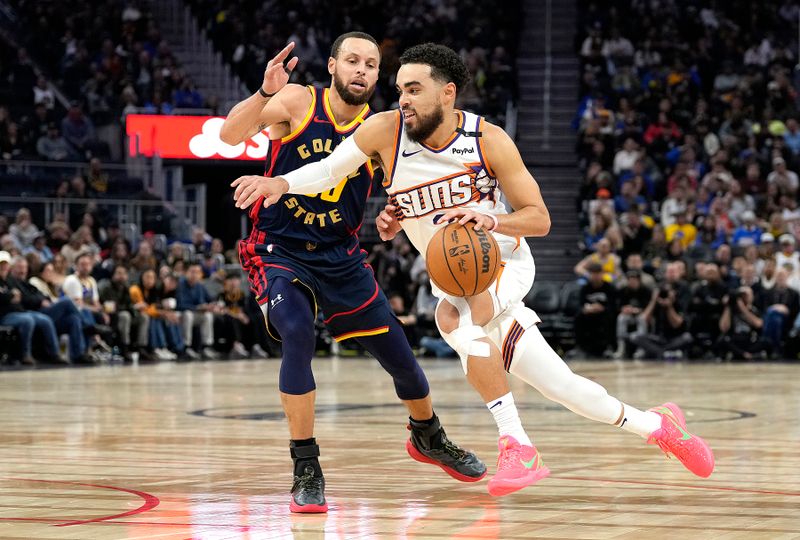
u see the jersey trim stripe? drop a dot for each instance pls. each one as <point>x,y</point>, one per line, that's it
<point>362,333</point>
<point>326,104</point>
<point>307,120</point>
<point>510,344</point>
<point>398,132</point>
<point>482,150</point>
<point>453,137</point>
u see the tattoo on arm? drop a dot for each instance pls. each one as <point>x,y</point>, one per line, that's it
<point>262,127</point>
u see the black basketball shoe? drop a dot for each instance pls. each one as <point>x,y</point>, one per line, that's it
<point>308,489</point>
<point>429,444</point>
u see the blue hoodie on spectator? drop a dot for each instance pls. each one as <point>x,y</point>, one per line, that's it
<point>188,297</point>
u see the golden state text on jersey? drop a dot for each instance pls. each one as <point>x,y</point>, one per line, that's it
<point>326,217</point>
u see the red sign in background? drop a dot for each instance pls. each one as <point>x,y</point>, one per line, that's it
<point>188,137</point>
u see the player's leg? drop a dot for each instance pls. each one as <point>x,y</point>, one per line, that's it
<point>460,322</point>
<point>535,362</point>
<point>428,442</point>
<point>291,314</point>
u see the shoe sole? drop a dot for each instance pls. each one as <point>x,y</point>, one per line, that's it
<point>510,486</point>
<point>308,508</point>
<point>422,458</point>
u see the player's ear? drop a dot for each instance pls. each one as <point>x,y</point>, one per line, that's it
<point>449,91</point>
<point>331,65</point>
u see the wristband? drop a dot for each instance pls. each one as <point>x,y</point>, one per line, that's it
<point>264,94</point>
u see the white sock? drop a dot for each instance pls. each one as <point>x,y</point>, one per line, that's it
<point>643,423</point>
<point>507,419</point>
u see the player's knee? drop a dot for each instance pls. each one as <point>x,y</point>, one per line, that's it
<point>446,317</point>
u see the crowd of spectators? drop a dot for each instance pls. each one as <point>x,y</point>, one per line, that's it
<point>144,301</point>
<point>688,141</point>
<point>249,32</point>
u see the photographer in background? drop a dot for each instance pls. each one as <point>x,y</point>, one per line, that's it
<point>740,326</point>
<point>669,337</point>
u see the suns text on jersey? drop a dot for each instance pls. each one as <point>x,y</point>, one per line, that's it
<point>436,195</point>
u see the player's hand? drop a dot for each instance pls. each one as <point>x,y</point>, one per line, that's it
<point>387,224</point>
<point>464,216</point>
<point>250,188</point>
<point>277,73</point>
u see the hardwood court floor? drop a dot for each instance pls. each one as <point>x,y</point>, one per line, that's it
<point>180,451</point>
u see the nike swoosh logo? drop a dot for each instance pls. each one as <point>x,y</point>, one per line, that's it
<point>669,414</point>
<point>350,251</point>
<point>411,154</point>
<point>529,464</point>
<point>495,405</point>
<point>318,120</point>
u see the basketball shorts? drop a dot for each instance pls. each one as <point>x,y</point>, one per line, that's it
<point>335,278</point>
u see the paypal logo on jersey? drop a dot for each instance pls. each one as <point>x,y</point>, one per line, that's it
<point>463,151</point>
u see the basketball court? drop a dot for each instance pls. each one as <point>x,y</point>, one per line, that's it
<point>199,451</point>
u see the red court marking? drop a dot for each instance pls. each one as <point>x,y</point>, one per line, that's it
<point>689,486</point>
<point>150,501</point>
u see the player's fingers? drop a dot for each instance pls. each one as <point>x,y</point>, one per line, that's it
<point>270,200</point>
<point>237,181</point>
<point>291,64</point>
<point>464,220</point>
<point>281,56</point>
<point>244,197</point>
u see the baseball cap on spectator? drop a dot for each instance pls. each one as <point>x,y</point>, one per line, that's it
<point>767,237</point>
<point>603,193</point>
<point>748,215</point>
<point>777,160</point>
<point>5,257</point>
<point>786,239</point>
<point>594,268</point>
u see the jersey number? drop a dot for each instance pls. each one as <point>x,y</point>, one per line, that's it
<point>332,195</point>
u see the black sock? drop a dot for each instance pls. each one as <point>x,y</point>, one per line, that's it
<point>428,422</point>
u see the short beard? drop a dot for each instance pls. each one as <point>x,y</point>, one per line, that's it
<point>426,125</point>
<point>349,97</point>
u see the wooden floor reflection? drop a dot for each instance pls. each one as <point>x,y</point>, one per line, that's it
<point>199,451</point>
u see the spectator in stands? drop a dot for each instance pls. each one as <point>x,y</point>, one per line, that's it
<point>81,288</point>
<point>787,257</point>
<point>43,94</point>
<point>23,229</point>
<point>792,135</point>
<point>65,316</point>
<point>748,233</point>
<point>668,337</point>
<point>12,313</point>
<point>594,324</point>
<point>144,258</point>
<point>73,248</point>
<point>706,307</point>
<point>609,262</point>
<point>79,131</point>
<point>635,234</point>
<point>627,157</point>
<point>116,300</point>
<point>633,299</point>
<point>40,248</point>
<point>196,309</point>
<point>163,320</point>
<point>96,177</point>
<point>46,281</point>
<point>234,319</point>
<point>740,326</point>
<point>780,306</point>
<point>681,229</point>
<point>54,147</point>
<point>785,180</point>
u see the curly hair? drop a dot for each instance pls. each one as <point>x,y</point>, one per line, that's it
<point>446,65</point>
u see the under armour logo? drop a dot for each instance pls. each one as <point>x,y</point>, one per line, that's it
<point>275,301</point>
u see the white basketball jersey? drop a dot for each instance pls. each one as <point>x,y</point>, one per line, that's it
<point>426,182</point>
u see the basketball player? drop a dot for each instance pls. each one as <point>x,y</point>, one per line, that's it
<point>303,254</point>
<point>444,164</point>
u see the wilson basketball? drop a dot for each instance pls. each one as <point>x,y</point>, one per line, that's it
<point>462,261</point>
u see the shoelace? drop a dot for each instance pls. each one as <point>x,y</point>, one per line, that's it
<point>453,450</point>
<point>309,481</point>
<point>509,457</point>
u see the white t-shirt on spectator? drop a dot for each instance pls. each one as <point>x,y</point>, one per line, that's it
<point>669,208</point>
<point>625,160</point>
<point>794,259</point>
<point>790,179</point>
<point>81,290</point>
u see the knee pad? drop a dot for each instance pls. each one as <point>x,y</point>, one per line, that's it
<point>294,321</point>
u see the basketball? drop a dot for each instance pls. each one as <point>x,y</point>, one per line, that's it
<point>462,261</point>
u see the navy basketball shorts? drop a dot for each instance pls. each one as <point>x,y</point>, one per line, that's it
<point>336,280</point>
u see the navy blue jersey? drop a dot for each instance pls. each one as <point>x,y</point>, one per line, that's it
<point>323,218</point>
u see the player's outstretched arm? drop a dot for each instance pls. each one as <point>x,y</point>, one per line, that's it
<point>255,113</point>
<point>370,140</point>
